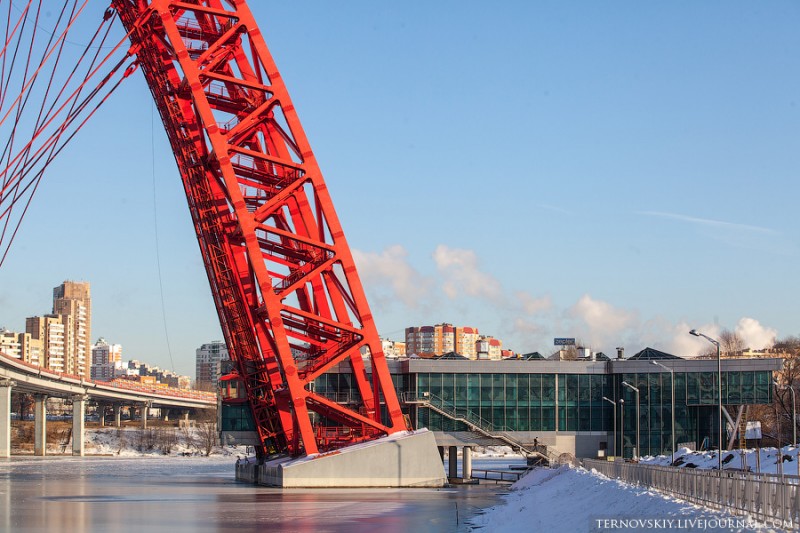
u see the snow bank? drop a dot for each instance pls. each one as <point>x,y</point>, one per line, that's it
<point>574,499</point>
<point>763,460</point>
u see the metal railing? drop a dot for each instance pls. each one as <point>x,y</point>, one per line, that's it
<point>477,424</point>
<point>765,497</point>
<point>498,476</point>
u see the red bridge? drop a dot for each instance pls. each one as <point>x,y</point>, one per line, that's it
<point>285,286</point>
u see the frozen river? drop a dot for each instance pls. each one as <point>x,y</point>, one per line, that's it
<point>199,494</point>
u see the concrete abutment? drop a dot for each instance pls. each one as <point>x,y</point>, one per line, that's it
<point>408,459</point>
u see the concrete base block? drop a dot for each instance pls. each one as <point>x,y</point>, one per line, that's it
<point>247,472</point>
<point>463,481</point>
<point>405,459</point>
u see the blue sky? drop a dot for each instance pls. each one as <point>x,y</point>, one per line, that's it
<point>620,172</point>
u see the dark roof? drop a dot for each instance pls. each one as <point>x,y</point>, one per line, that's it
<point>600,356</point>
<point>453,356</point>
<point>533,356</point>
<point>650,354</point>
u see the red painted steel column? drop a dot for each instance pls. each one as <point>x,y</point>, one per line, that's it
<point>284,282</point>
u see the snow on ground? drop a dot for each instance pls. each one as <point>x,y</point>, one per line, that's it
<point>574,499</point>
<point>132,442</point>
<point>763,460</point>
<point>496,451</point>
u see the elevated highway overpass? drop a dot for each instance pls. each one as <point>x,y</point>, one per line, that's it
<point>22,377</point>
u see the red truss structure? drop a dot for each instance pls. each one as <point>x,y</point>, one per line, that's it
<point>283,279</point>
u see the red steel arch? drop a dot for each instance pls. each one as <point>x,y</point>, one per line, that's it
<point>283,279</point>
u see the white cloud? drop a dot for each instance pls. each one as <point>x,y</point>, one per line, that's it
<point>531,305</point>
<point>683,344</point>
<point>750,330</point>
<point>601,317</point>
<point>463,277</point>
<point>522,326</point>
<point>754,335</point>
<point>522,320</point>
<point>391,270</point>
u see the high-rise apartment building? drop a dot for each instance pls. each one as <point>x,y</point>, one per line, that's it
<point>207,364</point>
<point>50,333</point>
<point>466,342</point>
<point>72,302</point>
<point>105,357</point>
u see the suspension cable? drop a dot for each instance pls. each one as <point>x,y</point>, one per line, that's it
<point>30,72</point>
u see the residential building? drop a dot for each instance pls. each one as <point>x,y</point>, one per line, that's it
<point>466,342</point>
<point>50,333</point>
<point>207,364</point>
<point>489,348</point>
<point>72,302</point>
<point>31,350</point>
<point>9,343</point>
<point>393,348</point>
<point>434,341</point>
<point>105,357</point>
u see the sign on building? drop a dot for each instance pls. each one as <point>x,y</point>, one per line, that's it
<point>564,341</point>
<point>753,430</point>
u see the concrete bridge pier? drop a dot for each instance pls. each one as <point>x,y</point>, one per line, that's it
<point>117,408</point>
<point>466,463</point>
<point>5,418</point>
<point>78,424</point>
<point>452,457</point>
<point>40,425</point>
<point>145,411</point>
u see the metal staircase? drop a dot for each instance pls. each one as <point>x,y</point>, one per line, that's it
<point>743,430</point>
<point>478,425</point>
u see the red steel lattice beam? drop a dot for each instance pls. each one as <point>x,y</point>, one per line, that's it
<point>285,286</point>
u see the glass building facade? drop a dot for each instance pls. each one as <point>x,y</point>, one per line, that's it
<point>566,398</point>
<point>574,403</point>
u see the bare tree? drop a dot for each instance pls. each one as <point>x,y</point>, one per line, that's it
<point>730,345</point>
<point>568,352</point>
<point>207,434</point>
<point>789,349</point>
<point>22,404</point>
<point>166,439</point>
<point>145,440</point>
<point>776,418</point>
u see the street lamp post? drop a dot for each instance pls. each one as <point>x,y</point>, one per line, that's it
<point>715,342</point>
<point>672,388</point>
<point>622,426</point>
<point>615,423</point>
<point>638,449</point>
<point>794,422</point>
<point>794,416</point>
<point>778,432</point>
